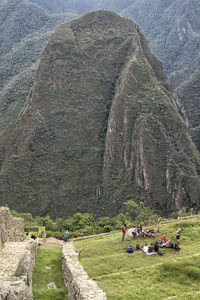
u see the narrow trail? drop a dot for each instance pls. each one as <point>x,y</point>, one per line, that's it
<point>51,243</point>
<point>116,231</point>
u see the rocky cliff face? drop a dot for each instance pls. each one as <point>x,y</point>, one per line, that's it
<point>187,99</point>
<point>99,127</point>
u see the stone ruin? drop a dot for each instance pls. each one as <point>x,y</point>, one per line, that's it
<point>11,229</point>
<point>17,258</point>
<point>80,286</point>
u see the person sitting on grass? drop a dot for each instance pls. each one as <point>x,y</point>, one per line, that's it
<point>137,247</point>
<point>169,244</point>
<point>145,248</point>
<point>151,248</point>
<point>156,246</point>
<point>134,233</point>
<point>129,249</point>
<point>164,238</point>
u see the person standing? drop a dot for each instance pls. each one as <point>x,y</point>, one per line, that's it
<point>66,236</point>
<point>159,223</point>
<point>124,230</point>
<point>178,234</point>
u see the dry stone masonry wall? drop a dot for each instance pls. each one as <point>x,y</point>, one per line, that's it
<point>17,258</point>
<point>80,287</point>
<point>11,229</point>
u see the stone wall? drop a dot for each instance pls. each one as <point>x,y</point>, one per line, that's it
<point>11,229</point>
<point>17,260</point>
<point>76,279</point>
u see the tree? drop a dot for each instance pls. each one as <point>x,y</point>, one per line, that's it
<point>79,221</point>
<point>140,212</point>
<point>131,208</point>
<point>145,215</point>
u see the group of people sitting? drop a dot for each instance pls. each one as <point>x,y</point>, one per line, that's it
<point>138,232</point>
<point>130,248</point>
<point>163,242</point>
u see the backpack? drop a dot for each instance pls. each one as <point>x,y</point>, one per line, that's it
<point>176,246</point>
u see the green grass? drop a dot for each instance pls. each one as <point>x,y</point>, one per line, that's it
<point>43,275</point>
<point>145,277</point>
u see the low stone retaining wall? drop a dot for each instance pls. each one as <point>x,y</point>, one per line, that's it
<point>17,260</point>
<point>11,229</point>
<point>76,279</point>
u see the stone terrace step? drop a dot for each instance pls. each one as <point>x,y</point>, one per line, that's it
<point>80,286</point>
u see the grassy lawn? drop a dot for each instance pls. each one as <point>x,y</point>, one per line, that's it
<point>145,277</point>
<point>48,269</point>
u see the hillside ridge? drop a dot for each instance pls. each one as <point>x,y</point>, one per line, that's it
<point>99,127</point>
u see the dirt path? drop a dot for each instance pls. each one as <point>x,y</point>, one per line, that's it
<point>51,243</point>
<point>115,231</point>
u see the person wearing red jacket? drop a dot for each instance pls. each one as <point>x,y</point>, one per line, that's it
<point>124,230</point>
<point>164,238</point>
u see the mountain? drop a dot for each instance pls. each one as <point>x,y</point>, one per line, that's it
<point>83,6</point>
<point>24,31</point>
<point>173,29</point>
<point>171,26</point>
<point>187,98</point>
<point>99,127</point>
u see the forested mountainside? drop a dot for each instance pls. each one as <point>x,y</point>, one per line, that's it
<point>171,26</point>
<point>173,29</point>
<point>99,127</point>
<point>187,98</point>
<point>24,31</point>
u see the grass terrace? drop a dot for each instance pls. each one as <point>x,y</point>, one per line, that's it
<point>48,269</point>
<point>139,276</point>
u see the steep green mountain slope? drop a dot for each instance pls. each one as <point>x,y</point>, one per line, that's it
<point>173,29</point>
<point>171,26</point>
<point>99,127</point>
<point>24,31</point>
<point>187,97</point>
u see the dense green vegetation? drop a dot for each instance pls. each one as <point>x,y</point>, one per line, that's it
<point>48,269</point>
<point>24,31</point>
<point>80,224</point>
<point>99,128</point>
<point>173,29</point>
<point>138,276</point>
